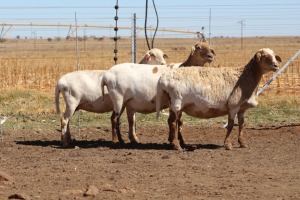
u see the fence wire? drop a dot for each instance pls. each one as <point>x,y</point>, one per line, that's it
<point>37,63</point>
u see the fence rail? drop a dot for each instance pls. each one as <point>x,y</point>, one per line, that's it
<point>38,63</point>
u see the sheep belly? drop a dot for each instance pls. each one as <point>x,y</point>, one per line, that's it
<point>97,105</point>
<point>204,112</point>
<point>143,107</point>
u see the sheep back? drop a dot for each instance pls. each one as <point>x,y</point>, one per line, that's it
<point>214,88</point>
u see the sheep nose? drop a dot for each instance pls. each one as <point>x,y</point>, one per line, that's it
<point>275,67</point>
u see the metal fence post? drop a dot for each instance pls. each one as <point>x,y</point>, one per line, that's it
<point>133,38</point>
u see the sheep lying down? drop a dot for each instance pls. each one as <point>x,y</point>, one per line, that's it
<point>213,92</point>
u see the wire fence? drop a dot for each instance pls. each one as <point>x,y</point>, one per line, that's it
<point>36,62</point>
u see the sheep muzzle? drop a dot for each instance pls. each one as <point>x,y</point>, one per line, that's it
<point>274,67</point>
<point>210,58</point>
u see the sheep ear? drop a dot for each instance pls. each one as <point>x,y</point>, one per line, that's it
<point>258,56</point>
<point>198,46</point>
<point>278,58</point>
<point>152,54</point>
<point>165,55</point>
<point>213,52</point>
<point>193,50</point>
<point>148,57</point>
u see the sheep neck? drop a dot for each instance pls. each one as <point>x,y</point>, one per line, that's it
<point>248,82</point>
<point>191,61</point>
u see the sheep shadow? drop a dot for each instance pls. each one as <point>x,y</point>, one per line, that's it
<point>84,144</point>
<point>101,143</point>
<point>208,146</point>
<point>89,144</point>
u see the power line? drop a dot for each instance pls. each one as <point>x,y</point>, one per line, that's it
<point>182,6</point>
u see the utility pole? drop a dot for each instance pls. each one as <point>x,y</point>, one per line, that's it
<point>242,26</point>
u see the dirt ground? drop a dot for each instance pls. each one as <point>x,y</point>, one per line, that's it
<point>34,166</point>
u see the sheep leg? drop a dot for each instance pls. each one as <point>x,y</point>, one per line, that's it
<point>241,139</point>
<point>172,121</point>
<point>115,139</point>
<point>116,133</point>
<point>183,144</point>
<point>227,142</point>
<point>131,122</point>
<point>65,128</point>
<point>180,135</point>
<point>116,116</point>
<point>118,130</point>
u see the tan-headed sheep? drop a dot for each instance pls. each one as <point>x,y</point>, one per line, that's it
<point>81,90</point>
<point>213,92</point>
<point>133,86</point>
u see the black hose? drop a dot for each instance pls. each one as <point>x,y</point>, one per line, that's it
<point>145,25</point>
<point>157,21</point>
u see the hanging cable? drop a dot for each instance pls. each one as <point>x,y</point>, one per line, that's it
<point>145,25</point>
<point>157,21</point>
<point>116,35</point>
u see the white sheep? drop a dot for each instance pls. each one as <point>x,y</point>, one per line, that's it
<point>154,57</point>
<point>133,86</point>
<point>213,92</point>
<point>81,90</point>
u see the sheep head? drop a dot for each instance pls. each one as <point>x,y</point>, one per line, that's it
<point>154,56</point>
<point>267,60</point>
<point>201,53</point>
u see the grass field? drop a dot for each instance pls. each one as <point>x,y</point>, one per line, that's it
<point>34,166</point>
<point>29,70</point>
<point>38,64</point>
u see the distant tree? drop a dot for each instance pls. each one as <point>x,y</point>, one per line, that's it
<point>18,37</point>
<point>49,39</point>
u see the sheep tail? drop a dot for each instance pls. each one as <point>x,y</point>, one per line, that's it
<point>57,92</point>
<point>102,87</point>
<point>159,95</point>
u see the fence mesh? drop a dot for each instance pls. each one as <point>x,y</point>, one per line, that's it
<point>37,63</point>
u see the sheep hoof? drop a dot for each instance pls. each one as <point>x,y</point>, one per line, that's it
<point>243,145</point>
<point>190,147</point>
<point>117,145</point>
<point>66,139</point>
<point>66,146</point>
<point>121,142</point>
<point>228,146</point>
<point>134,141</point>
<point>176,146</point>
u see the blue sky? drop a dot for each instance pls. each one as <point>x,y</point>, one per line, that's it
<point>260,18</point>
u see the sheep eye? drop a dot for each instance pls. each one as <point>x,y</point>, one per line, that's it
<point>199,49</point>
<point>151,54</point>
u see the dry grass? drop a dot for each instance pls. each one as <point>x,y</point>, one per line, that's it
<point>38,64</point>
<point>30,69</point>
